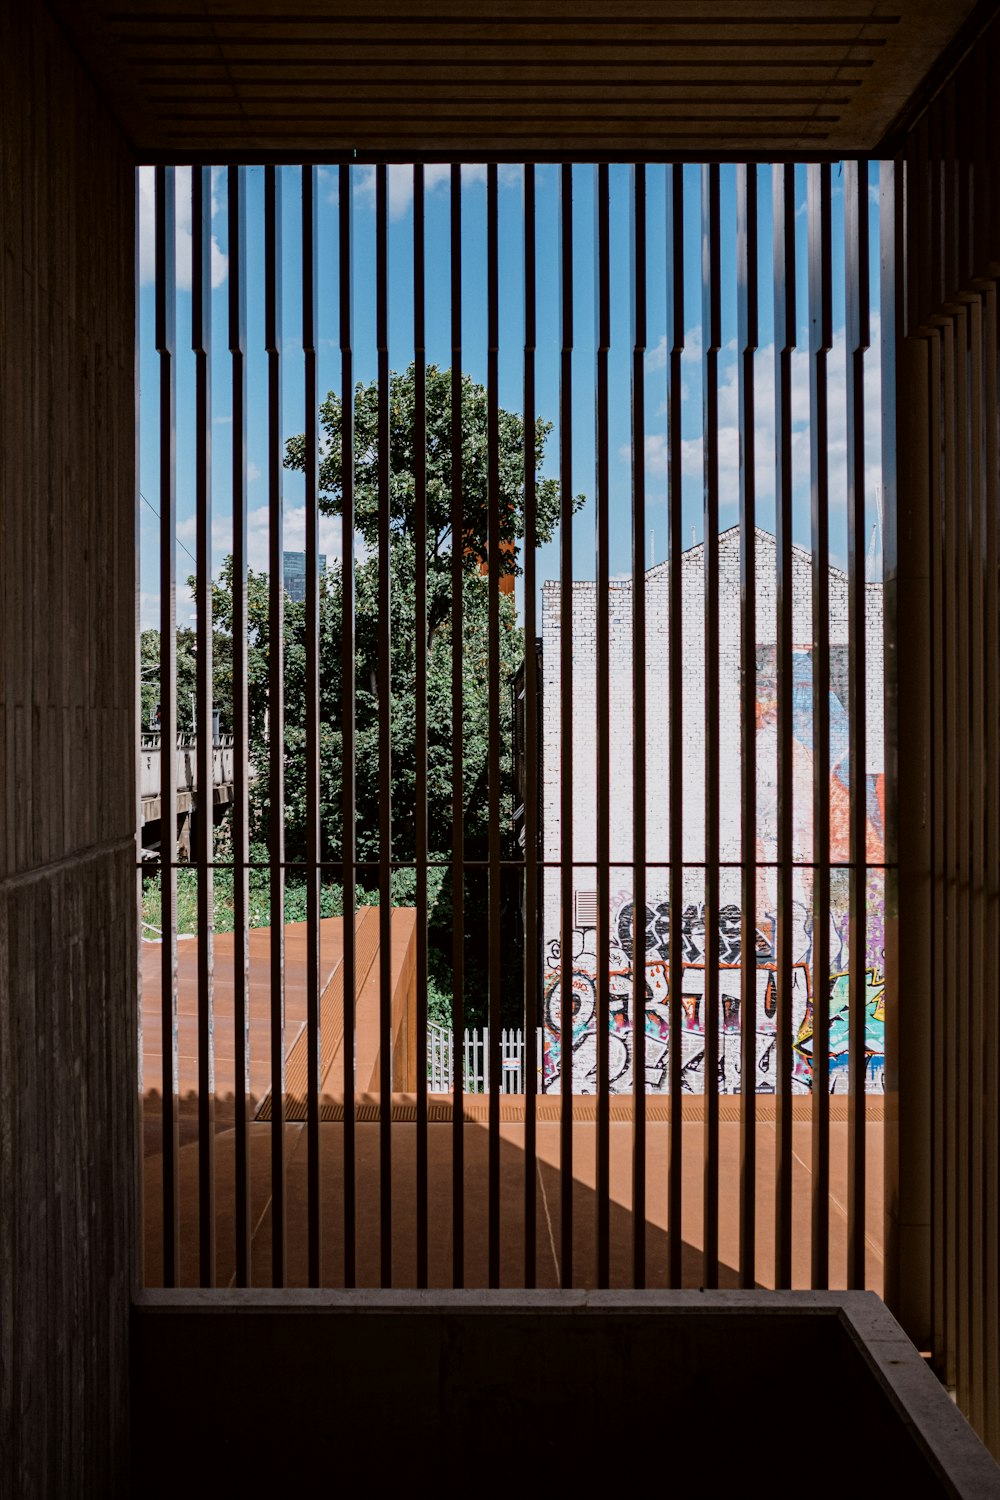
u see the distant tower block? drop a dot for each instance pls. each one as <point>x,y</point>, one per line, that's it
<point>294,568</point>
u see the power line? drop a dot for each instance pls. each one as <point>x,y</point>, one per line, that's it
<point>177,539</point>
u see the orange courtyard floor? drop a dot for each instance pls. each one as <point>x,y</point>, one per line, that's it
<point>512,1170</point>
<point>440,1134</point>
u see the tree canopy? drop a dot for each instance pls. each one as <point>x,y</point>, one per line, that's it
<point>439,455</point>
<point>405,643</point>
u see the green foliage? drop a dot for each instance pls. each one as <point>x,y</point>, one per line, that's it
<point>438,449</point>
<point>149,670</point>
<point>409,638</point>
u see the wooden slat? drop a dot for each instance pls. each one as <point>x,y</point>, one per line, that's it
<point>674,235</point>
<point>240,832</point>
<point>711,338</point>
<point>273,344</point>
<point>347,721</point>
<point>747,341</point>
<point>881,57</point>
<point>420,706</point>
<point>201,342</point>
<point>494,937</point>
<point>384,638</point>
<point>785,334</point>
<point>566,787</point>
<point>820,250</point>
<point>602,204</point>
<point>532,769</point>
<point>310,318</point>
<point>639,852</point>
<point>457,732</point>
<point>166,315</point>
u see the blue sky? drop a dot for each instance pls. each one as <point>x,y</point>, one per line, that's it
<point>511,349</point>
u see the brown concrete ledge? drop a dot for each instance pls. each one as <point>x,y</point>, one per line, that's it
<point>391,1388</point>
<point>514,1107</point>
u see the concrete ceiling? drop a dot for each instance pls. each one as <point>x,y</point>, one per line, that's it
<point>656,78</point>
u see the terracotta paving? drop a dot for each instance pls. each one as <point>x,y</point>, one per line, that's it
<point>512,1171</point>
<point>547,1177</point>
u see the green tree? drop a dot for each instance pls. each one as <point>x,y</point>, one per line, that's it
<point>438,450</point>
<point>406,642</point>
<point>149,669</point>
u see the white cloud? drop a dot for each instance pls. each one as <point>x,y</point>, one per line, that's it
<point>147,227</point>
<point>437,176</point>
<point>149,609</point>
<point>729,448</point>
<point>253,473</point>
<point>259,532</point>
<point>656,358</point>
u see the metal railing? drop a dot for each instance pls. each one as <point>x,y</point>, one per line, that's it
<point>476,1060</point>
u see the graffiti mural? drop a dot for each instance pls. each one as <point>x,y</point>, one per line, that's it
<point>788,808</point>
<point>656,1041</point>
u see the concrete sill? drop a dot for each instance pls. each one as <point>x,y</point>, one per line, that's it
<point>798,1392</point>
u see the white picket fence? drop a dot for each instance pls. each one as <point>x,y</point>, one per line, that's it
<point>476,1065</point>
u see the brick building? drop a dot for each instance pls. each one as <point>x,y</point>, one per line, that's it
<point>657,819</point>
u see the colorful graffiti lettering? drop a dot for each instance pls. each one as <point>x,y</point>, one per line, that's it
<point>581,1019</point>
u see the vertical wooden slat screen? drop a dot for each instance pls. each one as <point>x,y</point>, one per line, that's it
<point>711,337</point>
<point>310,271</point>
<point>943,1190</point>
<point>384,724</point>
<point>273,344</point>
<point>532,997</point>
<point>991,1040</point>
<point>977,870</point>
<point>638,246</point>
<point>603,724</point>
<point>493,671</point>
<point>457,763</point>
<point>857,299</point>
<point>820,342</point>
<point>785,338</point>
<point>747,340</point>
<point>420,707</point>
<point>201,343</point>
<point>347,720</point>
<point>166,325</point>
<point>674,346</point>
<point>566,850</point>
<point>962,666</point>
<point>240,837</point>
<point>664,869</point>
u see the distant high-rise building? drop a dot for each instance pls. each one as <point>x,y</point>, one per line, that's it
<point>295,574</point>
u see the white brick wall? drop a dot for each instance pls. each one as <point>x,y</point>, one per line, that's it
<point>658,771</point>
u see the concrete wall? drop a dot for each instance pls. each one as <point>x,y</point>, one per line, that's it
<point>67,820</point>
<point>540,1392</point>
<point>693,798</point>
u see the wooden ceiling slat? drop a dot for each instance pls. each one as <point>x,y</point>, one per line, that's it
<point>555,75</point>
<point>576,15</point>
<point>536,64</point>
<point>431,116</point>
<point>635,96</point>
<point>480,128</point>
<point>549,47</point>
